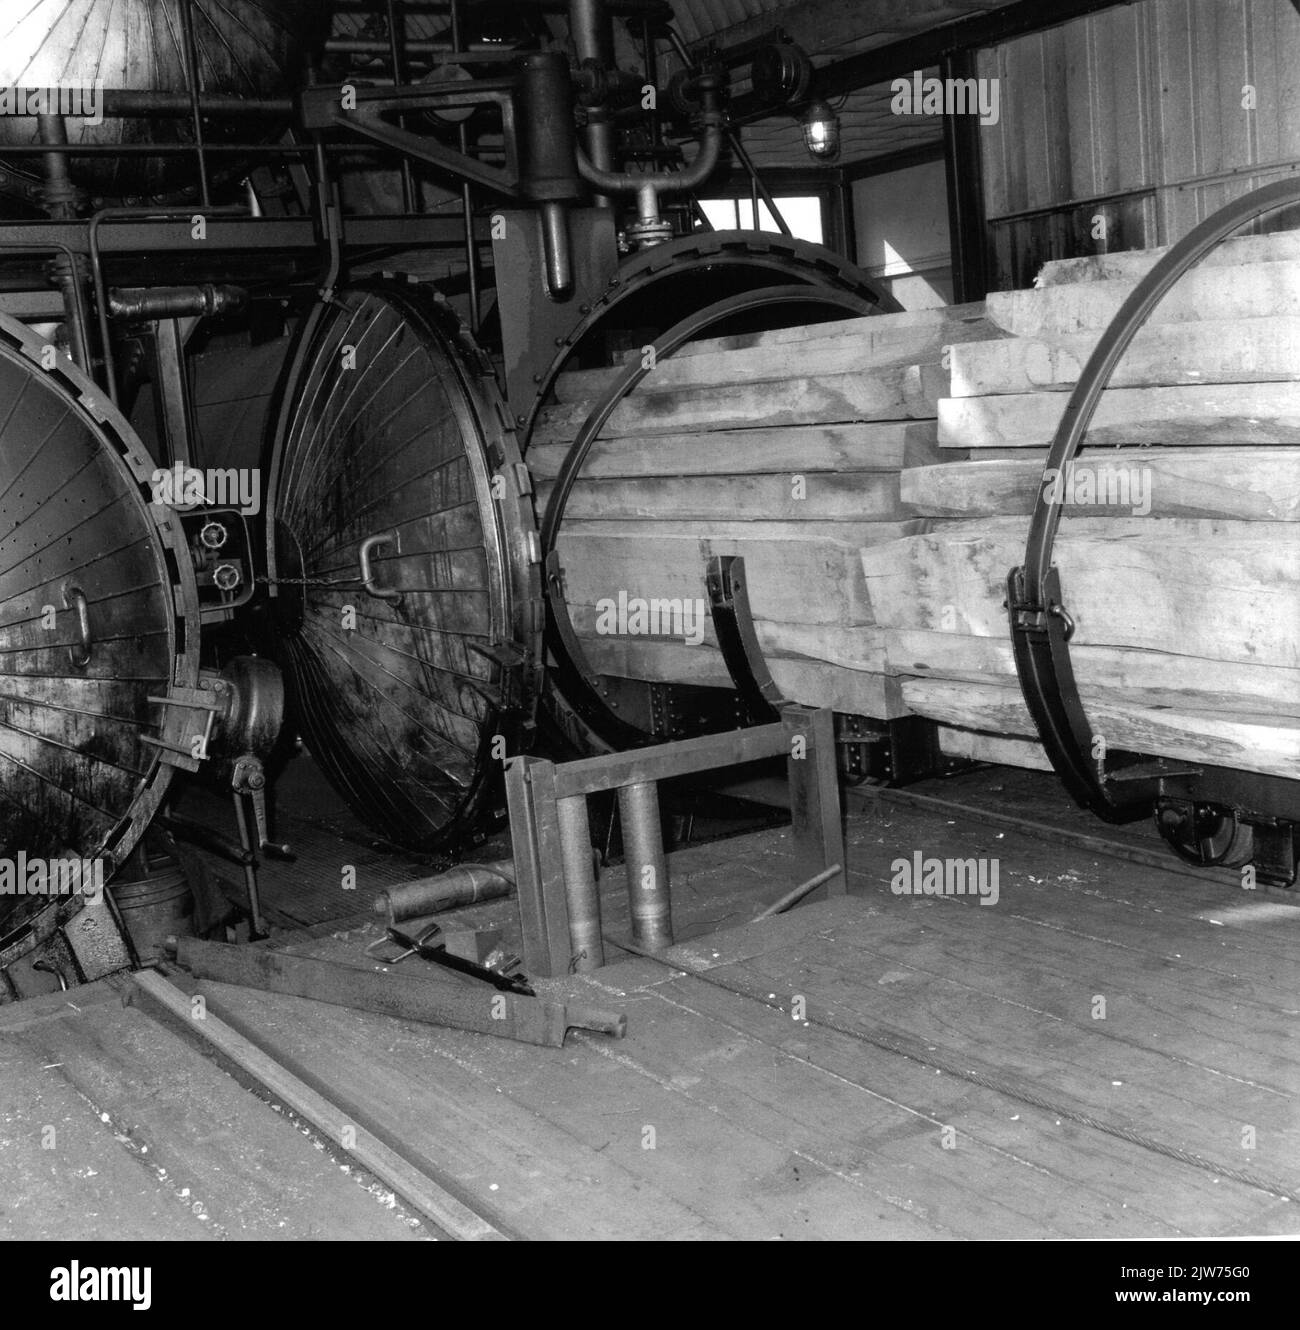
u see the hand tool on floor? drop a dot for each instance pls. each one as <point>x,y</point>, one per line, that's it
<point>426,946</point>
<point>449,1002</point>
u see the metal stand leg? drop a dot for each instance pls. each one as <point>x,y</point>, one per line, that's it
<point>257,925</point>
<point>539,866</point>
<point>815,794</point>
<point>580,883</point>
<point>647,870</point>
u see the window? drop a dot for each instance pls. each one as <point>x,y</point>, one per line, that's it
<point>802,213</point>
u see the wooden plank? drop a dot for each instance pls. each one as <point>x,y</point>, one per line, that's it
<point>450,1103</point>
<point>790,581</point>
<point>1150,678</point>
<point>994,748</point>
<point>858,347</point>
<point>1269,745</point>
<point>777,532</point>
<point>792,450</point>
<point>856,648</point>
<point>1252,291</point>
<point>447,1211</point>
<point>739,1060</point>
<point>1014,1041</point>
<point>656,661</point>
<point>1227,414</point>
<point>853,692</point>
<point>213,1149</point>
<point>90,1187</point>
<point>18,1016</point>
<point>1130,265</point>
<point>1210,351</point>
<point>908,392</point>
<point>821,497</point>
<point>1249,484</point>
<point>1027,1161</point>
<point>1209,589</point>
<point>898,331</point>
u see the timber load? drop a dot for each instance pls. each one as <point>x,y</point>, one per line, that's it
<point>1179,544</point>
<point>784,448</point>
<point>877,476</point>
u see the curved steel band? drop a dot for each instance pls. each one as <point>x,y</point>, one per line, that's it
<point>574,675</point>
<point>1040,627</point>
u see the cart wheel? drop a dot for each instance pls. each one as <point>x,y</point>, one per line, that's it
<point>1206,835</point>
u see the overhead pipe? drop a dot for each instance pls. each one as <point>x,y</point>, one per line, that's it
<point>737,148</point>
<point>649,228</point>
<point>175,302</point>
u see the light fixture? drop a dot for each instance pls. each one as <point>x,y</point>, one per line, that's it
<point>821,130</point>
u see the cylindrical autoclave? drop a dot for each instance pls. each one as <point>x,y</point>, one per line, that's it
<point>406,564</point>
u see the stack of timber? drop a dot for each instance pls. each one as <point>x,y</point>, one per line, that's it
<point>1179,548</point>
<point>784,447</point>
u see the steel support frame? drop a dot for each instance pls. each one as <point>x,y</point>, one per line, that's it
<point>559,904</point>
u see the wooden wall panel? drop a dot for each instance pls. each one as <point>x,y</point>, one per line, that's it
<point>1143,98</point>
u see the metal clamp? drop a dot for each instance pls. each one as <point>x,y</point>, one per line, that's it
<point>733,622</point>
<point>368,545</point>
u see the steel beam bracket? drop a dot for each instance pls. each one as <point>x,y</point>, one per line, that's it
<point>360,110</point>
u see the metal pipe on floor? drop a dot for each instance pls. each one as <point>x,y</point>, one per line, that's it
<point>580,889</point>
<point>798,893</point>
<point>465,884</point>
<point>649,895</point>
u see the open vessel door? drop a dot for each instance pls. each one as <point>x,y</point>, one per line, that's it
<point>98,626</point>
<point>403,559</point>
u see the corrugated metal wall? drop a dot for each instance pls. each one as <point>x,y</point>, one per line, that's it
<point>1143,102</point>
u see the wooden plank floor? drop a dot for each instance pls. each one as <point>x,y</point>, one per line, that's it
<point>114,1125</point>
<point>875,1066</point>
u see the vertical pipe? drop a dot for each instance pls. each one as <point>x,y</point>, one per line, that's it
<point>592,31</point>
<point>60,196</point>
<point>580,890</point>
<point>192,70</point>
<point>647,869</point>
<point>652,78</point>
<point>556,249</point>
<point>396,36</point>
<point>466,197</point>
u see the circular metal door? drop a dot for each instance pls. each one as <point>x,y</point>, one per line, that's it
<point>98,627</point>
<point>406,585</point>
